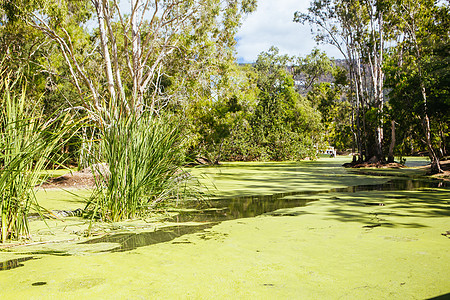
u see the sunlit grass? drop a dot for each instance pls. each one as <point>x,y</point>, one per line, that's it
<point>28,145</point>
<point>143,155</point>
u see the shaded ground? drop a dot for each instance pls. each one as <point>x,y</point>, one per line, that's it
<point>445,166</point>
<point>71,180</point>
<point>378,165</point>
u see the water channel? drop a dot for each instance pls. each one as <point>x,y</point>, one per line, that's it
<point>298,214</point>
<point>223,209</point>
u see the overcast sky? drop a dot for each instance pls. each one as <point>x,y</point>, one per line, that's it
<point>272,25</point>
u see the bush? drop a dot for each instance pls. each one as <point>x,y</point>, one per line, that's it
<point>28,146</point>
<point>144,156</point>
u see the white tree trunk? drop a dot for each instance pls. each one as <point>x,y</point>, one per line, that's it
<point>137,98</point>
<point>104,46</point>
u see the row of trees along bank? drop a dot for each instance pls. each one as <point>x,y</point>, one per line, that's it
<point>134,74</point>
<point>370,102</point>
<point>396,51</point>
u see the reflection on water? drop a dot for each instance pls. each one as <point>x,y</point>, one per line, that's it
<point>13,263</point>
<point>244,207</point>
<point>130,241</point>
<point>238,208</point>
<point>252,206</point>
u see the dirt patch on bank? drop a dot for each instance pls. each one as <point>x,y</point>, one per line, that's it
<point>83,179</point>
<point>445,166</point>
<point>378,165</point>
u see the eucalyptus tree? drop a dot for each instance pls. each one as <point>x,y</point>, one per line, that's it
<point>356,29</point>
<point>417,65</point>
<point>376,10</point>
<point>124,96</point>
<point>340,30</point>
<point>135,43</point>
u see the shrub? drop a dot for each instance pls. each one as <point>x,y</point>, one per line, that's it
<point>144,158</point>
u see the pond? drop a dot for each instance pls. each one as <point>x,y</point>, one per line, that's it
<point>285,230</point>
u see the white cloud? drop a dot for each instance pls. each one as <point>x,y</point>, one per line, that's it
<point>272,25</point>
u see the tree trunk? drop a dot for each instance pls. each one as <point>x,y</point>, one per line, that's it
<point>435,165</point>
<point>358,90</point>
<point>375,59</point>
<point>392,145</point>
<point>115,56</point>
<point>104,47</point>
<point>137,104</point>
<point>444,142</point>
<point>354,134</point>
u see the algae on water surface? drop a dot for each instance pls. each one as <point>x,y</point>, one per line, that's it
<point>328,249</point>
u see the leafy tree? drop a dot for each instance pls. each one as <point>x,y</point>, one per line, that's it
<point>418,71</point>
<point>324,86</point>
<point>134,49</point>
<point>213,121</point>
<point>313,67</point>
<point>284,124</point>
<point>357,30</point>
<point>336,114</point>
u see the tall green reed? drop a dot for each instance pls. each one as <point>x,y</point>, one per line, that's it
<point>27,144</point>
<point>144,156</point>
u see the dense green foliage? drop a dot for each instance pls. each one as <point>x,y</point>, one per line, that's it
<point>129,74</point>
<point>419,67</point>
<point>253,113</point>
<point>284,123</point>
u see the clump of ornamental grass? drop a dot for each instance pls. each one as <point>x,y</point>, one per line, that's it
<point>27,146</point>
<point>143,154</point>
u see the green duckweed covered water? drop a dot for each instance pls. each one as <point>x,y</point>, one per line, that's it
<point>350,245</point>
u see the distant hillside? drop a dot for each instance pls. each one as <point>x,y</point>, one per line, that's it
<point>300,78</point>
